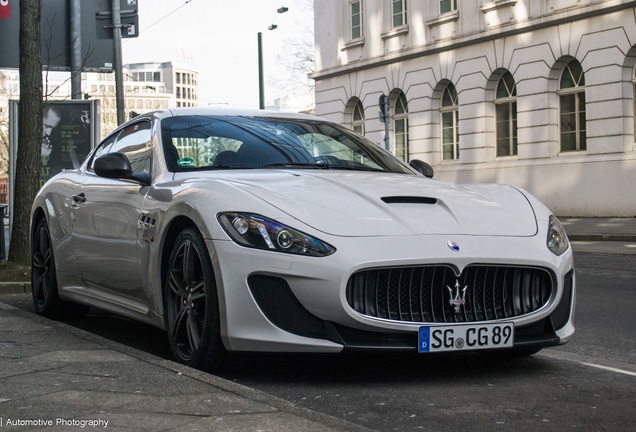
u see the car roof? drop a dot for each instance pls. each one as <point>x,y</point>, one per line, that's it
<point>225,111</point>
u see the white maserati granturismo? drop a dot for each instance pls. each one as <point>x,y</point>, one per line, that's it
<point>245,231</point>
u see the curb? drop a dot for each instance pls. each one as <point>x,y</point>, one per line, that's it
<point>623,238</point>
<point>15,287</point>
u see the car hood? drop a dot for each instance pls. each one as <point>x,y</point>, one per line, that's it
<point>346,203</point>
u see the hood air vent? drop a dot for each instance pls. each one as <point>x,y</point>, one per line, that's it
<point>409,200</point>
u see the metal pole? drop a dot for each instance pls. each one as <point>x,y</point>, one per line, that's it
<point>117,62</point>
<point>76,49</point>
<point>261,86</point>
<point>3,249</point>
<point>387,124</point>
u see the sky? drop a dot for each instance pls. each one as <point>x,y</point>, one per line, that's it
<point>219,38</point>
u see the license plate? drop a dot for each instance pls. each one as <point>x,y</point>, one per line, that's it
<point>466,337</point>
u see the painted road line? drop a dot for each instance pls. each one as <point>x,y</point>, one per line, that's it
<point>612,369</point>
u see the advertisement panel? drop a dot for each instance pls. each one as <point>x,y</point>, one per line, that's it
<point>66,136</point>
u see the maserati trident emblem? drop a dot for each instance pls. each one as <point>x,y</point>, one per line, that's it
<point>453,246</point>
<point>457,296</point>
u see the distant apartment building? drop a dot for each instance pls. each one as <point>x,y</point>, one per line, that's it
<point>179,80</point>
<point>147,87</point>
<point>538,94</point>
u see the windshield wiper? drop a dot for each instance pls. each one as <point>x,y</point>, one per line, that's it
<point>356,168</point>
<point>319,165</point>
<point>216,167</point>
<point>323,165</point>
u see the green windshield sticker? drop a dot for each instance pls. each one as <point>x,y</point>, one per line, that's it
<point>185,161</point>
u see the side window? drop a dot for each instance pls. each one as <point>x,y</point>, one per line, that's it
<point>135,141</point>
<point>103,148</point>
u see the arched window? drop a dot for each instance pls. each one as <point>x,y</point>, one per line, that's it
<point>450,121</point>
<point>357,123</point>
<point>506,115</point>
<point>401,127</point>
<point>634,98</point>
<point>572,107</point>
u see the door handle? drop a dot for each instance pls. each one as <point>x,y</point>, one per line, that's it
<point>79,198</point>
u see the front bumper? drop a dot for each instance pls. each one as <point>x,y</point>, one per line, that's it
<point>278,303</point>
<point>285,303</point>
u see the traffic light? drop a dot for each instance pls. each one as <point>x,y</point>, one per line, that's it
<point>384,108</point>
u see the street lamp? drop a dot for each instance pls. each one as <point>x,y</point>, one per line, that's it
<point>261,84</point>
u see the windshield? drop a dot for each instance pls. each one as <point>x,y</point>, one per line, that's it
<point>196,142</point>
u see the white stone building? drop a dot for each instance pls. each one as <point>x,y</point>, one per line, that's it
<point>538,94</point>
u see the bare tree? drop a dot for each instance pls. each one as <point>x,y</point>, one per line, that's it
<point>298,59</point>
<point>30,129</point>
<point>4,129</point>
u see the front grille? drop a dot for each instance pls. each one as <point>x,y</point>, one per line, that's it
<point>423,294</point>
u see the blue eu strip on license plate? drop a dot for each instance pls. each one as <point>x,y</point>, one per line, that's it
<point>465,337</point>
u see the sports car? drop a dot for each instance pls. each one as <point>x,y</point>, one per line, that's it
<point>247,231</point>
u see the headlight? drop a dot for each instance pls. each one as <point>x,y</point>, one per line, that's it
<point>255,231</point>
<point>557,240</point>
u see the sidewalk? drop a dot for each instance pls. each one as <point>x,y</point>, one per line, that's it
<point>56,377</point>
<point>602,235</point>
<point>601,229</point>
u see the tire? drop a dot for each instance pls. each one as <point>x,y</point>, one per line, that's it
<point>46,300</point>
<point>191,304</point>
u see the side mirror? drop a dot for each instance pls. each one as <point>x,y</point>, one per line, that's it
<point>117,166</point>
<point>422,167</point>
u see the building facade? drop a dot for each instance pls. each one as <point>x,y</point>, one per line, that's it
<point>538,94</point>
<point>147,87</point>
<point>180,80</point>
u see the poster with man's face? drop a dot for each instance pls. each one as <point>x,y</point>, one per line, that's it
<point>66,137</point>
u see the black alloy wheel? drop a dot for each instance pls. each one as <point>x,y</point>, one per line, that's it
<point>46,299</point>
<point>191,304</point>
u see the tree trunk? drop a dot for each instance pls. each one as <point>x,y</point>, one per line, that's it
<point>30,129</point>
